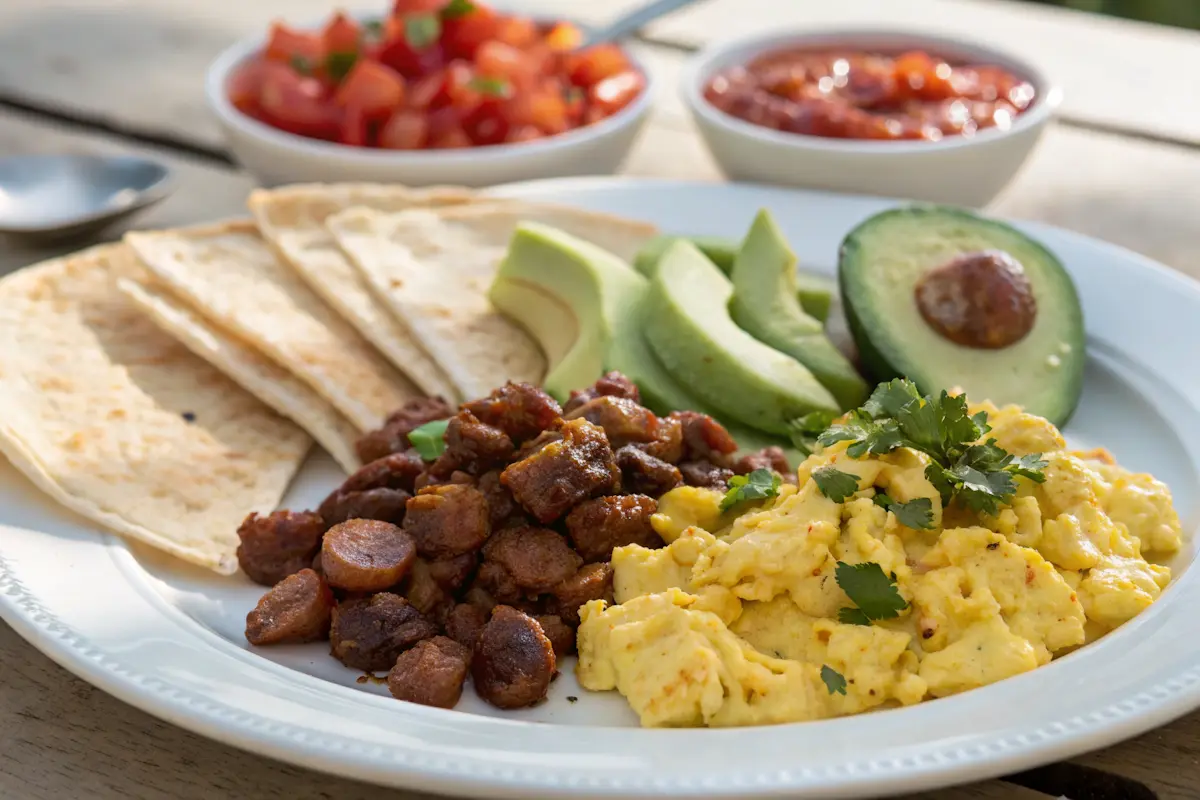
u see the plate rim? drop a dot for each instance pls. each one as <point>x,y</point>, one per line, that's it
<point>38,624</point>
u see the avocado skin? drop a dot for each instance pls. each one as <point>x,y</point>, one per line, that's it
<point>764,305</point>
<point>689,328</point>
<point>882,360</point>
<point>815,292</point>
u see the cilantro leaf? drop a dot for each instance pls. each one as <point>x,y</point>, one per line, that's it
<point>339,64</point>
<point>868,436</point>
<point>429,439</point>
<point>492,87</point>
<point>805,430</point>
<point>758,485</point>
<point>1030,466</point>
<point>835,484</point>
<point>871,590</point>
<point>835,681</point>
<point>302,65</point>
<point>917,513</point>
<point>853,616</point>
<point>422,30</point>
<point>888,398</point>
<point>457,8</point>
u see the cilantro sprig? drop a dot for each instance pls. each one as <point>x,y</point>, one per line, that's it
<point>980,476</point>
<point>916,513</point>
<point>805,430</point>
<point>760,484</point>
<point>873,593</point>
<point>835,484</point>
<point>429,440</point>
<point>835,681</point>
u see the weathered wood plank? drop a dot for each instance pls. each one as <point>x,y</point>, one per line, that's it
<point>1116,73</point>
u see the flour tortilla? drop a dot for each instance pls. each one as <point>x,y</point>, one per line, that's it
<point>293,218</point>
<point>433,268</point>
<point>122,424</point>
<point>232,277</point>
<point>254,372</point>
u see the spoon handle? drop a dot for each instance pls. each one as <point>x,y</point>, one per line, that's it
<point>634,20</point>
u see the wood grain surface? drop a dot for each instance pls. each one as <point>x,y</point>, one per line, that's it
<point>61,739</point>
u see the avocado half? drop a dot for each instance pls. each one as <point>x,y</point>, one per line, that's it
<point>880,265</point>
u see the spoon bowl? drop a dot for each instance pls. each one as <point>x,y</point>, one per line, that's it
<point>52,197</point>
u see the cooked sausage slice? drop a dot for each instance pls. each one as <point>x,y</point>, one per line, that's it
<point>642,473</point>
<point>464,622</point>
<point>370,633</point>
<point>597,526</point>
<point>297,609</point>
<point>431,673</point>
<point>394,471</point>
<point>552,480</point>
<point>623,421</point>
<point>363,555</point>
<point>560,634</point>
<point>453,573</point>
<point>392,437</point>
<point>447,521</point>
<point>476,446</point>
<point>521,410</point>
<point>611,384</point>
<point>705,474</point>
<point>591,582</point>
<point>387,505</point>
<point>705,439</point>
<point>279,544</point>
<point>425,593</point>
<point>514,660</point>
<point>496,582</point>
<point>500,502</point>
<point>537,558</point>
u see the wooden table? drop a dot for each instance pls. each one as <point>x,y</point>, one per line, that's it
<point>1123,164</point>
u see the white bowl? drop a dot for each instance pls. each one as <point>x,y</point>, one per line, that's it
<point>959,170</point>
<point>277,157</point>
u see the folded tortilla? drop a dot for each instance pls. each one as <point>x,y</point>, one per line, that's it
<point>293,218</point>
<point>433,267</point>
<point>229,274</point>
<point>272,384</point>
<point>122,424</point>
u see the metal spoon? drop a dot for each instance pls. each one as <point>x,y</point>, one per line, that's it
<point>633,21</point>
<point>47,198</point>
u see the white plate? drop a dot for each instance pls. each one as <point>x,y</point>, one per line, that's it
<point>168,639</point>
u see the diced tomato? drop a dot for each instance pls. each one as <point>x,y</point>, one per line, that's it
<point>463,35</point>
<point>498,60</point>
<point>406,130</point>
<point>297,104</point>
<point>486,123</point>
<point>524,133</point>
<point>520,32</point>
<point>289,46</point>
<point>410,63</point>
<point>452,139</point>
<point>460,89</point>
<point>612,94</point>
<point>245,84</point>
<point>589,67</point>
<point>341,34</point>
<point>373,88</point>
<point>548,111</point>
<point>429,92</point>
<point>564,37</point>
<point>354,127</point>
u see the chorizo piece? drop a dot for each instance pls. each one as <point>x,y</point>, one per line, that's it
<point>514,660</point>
<point>279,544</point>
<point>297,609</point>
<point>591,582</point>
<point>370,633</point>
<point>431,673</point>
<point>448,520</point>
<point>362,555</point>
<point>536,558</point>
<point>597,526</point>
<point>552,480</point>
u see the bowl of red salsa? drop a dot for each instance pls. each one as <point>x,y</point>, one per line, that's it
<point>892,113</point>
<point>434,91</point>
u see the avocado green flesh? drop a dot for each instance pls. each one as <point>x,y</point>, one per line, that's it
<point>583,305</point>
<point>688,326</point>
<point>881,263</point>
<point>815,292</point>
<point>765,306</point>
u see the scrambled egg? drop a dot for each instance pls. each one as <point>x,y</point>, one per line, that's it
<point>735,619</point>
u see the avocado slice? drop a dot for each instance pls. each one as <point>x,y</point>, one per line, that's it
<point>764,305</point>
<point>882,263</point>
<point>688,326</point>
<point>815,292</point>
<point>583,305</point>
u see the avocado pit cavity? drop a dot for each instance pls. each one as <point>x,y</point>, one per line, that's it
<point>982,300</point>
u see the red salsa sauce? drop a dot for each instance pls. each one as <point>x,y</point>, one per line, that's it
<point>433,74</point>
<point>845,94</point>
